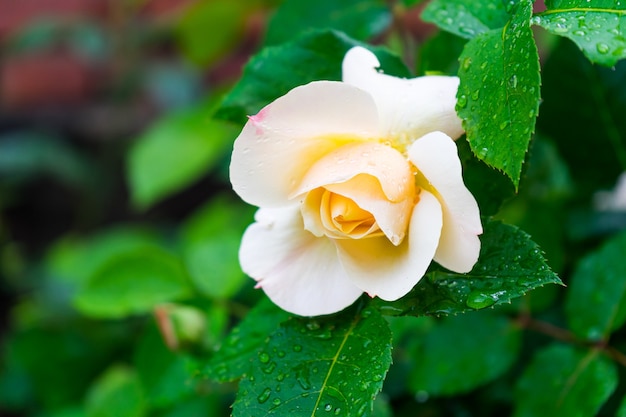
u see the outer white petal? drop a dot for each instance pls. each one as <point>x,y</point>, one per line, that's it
<point>382,269</point>
<point>435,155</point>
<point>298,271</point>
<point>278,145</point>
<point>407,107</point>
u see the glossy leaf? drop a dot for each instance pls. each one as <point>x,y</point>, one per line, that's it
<point>566,382</point>
<point>509,266</point>
<point>239,348</point>
<point>174,152</point>
<point>466,18</point>
<point>316,55</point>
<point>318,367</point>
<point>596,26</point>
<point>498,97</point>
<point>596,295</point>
<point>359,19</point>
<point>482,345</point>
<point>133,283</point>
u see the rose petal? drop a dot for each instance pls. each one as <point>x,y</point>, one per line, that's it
<point>278,145</point>
<point>298,271</point>
<point>387,271</point>
<point>386,191</point>
<point>408,108</point>
<point>436,157</point>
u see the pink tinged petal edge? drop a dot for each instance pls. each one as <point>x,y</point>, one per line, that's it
<point>278,146</point>
<point>298,271</point>
<point>390,272</point>
<point>408,107</point>
<point>435,155</point>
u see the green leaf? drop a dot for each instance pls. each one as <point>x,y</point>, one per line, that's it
<point>566,382</point>
<point>596,296</point>
<point>315,55</point>
<point>211,239</point>
<point>163,375</point>
<point>359,19</point>
<point>73,260</point>
<point>462,353</point>
<point>489,187</point>
<point>234,358</point>
<point>498,96</point>
<point>596,26</point>
<point>621,411</point>
<point>174,152</point>
<point>319,367</point>
<point>510,265</point>
<point>594,146</point>
<point>466,18</point>
<point>117,393</point>
<point>133,283</point>
<point>208,30</point>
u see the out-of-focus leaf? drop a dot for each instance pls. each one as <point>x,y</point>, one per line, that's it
<point>240,347</point>
<point>174,152</point>
<point>466,18</point>
<point>25,155</point>
<point>596,26</point>
<point>211,239</point>
<point>315,55</point>
<point>582,112</point>
<point>117,393</point>
<point>440,54</point>
<point>596,296</point>
<point>133,283</point>
<point>566,382</point>
<point>209,29</point>
<point>462,353</point>
<point>359,19</point>
<point>498,96</point>
<point>319,367</point>
<point>73,260</point>
<point>163,374</point>
<point>510,265</point>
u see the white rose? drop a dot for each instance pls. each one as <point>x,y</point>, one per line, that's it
<point>359,187</point>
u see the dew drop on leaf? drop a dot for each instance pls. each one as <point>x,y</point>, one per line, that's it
<point>264,396</point>
<point>478,300</point>
<point>328,407</point>
<point>264,357</point>
<point>602,48</point>
<point>462,101</point>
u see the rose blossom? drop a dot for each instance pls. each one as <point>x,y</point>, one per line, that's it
<point>359,187</point>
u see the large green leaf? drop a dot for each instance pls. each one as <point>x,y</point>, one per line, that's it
<point>498,97</point>
<point>359,19</point>
<point>566,382</point>
<point>315,55</point>
<point>466,18</point>
<point>596,26</point>
<point>234,358</point>
<point>174,152</point>
<point>582,111</point>
<point>133,283</point>
<point>510,264</point>
<point>462,353</point>
<point>596,297</point>
<point>319,367</point>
